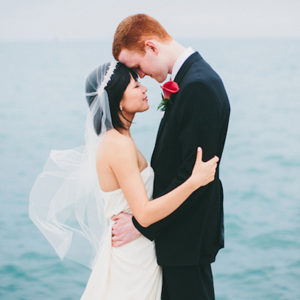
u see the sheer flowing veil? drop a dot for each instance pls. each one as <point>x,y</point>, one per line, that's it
<point>65,202</point>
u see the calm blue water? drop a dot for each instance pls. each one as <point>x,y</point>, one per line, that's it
<point>43,107</point>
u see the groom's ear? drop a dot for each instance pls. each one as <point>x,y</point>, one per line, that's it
<point>152,45</point>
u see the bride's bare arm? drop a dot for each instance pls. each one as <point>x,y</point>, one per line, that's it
<point>125,167</point>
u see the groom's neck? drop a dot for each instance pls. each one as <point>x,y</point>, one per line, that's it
<point>174,50</point>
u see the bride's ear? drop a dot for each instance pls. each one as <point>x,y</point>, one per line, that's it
<point>121,105</point>
<point>152,46</point>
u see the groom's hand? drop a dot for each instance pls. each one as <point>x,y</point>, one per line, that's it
<point>123,230</point>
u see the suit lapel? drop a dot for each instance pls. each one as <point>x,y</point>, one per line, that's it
<point>183,70</point>
<point>186,66</point>
<point>178,78</point>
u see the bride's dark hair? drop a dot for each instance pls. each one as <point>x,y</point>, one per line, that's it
<point>115,89</point>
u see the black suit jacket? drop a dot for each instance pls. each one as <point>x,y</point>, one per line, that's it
<point>198,116</point>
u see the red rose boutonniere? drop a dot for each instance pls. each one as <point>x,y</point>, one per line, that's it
<point>169,88</point>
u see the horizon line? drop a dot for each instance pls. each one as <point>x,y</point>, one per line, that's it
<point>106,39</point>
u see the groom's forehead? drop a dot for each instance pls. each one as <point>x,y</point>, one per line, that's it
<point>129,58</point>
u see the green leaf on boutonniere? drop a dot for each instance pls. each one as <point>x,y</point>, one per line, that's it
<point>164,103</point>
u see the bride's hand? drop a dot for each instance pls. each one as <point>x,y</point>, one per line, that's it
<point>203,172</point>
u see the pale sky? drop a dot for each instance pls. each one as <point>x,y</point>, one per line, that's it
<point>98,19</point>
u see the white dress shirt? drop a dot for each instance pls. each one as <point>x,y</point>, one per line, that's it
<point>180,61</point>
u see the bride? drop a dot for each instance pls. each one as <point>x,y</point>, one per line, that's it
<point>80,190</point>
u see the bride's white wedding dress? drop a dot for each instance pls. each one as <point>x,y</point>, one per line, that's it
<point>129,272</point>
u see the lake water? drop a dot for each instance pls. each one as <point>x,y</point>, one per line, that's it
<point>43,108</point>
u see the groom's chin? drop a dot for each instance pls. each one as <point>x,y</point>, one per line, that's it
<point>161,79</point>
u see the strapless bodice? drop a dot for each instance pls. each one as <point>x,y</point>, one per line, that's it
<point>115,202</point>
<point>109,278</point>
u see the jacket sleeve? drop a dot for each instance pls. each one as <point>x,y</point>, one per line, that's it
<point>199,125</point>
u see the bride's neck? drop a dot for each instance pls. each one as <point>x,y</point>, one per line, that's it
<point>125,131</point>
<point>126,120</point>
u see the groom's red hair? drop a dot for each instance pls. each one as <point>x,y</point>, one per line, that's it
<point>134,30</point>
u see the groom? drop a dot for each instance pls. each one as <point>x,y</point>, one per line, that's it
<point>188,240</point>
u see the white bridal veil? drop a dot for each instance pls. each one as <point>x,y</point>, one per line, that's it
<point>65,201</point>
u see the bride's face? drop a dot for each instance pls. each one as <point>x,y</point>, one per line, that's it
<point>134,98</point>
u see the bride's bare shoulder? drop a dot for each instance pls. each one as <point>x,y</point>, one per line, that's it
<point>117,152</point>
<point>113,141</point>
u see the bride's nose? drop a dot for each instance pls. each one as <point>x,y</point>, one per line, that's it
<point>144,89</point>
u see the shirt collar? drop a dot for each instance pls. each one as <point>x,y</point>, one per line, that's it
<point>180,61</point>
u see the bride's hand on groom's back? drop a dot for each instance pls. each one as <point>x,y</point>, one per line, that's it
<point>203,172</point>
<point>123,230</point>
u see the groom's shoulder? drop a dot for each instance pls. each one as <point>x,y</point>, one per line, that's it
<point>202,73</point>
<point>201,70</point>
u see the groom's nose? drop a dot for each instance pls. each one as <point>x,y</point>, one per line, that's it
<point>140,73</point>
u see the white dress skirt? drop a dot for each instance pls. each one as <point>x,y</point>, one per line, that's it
<point>129,272</point>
